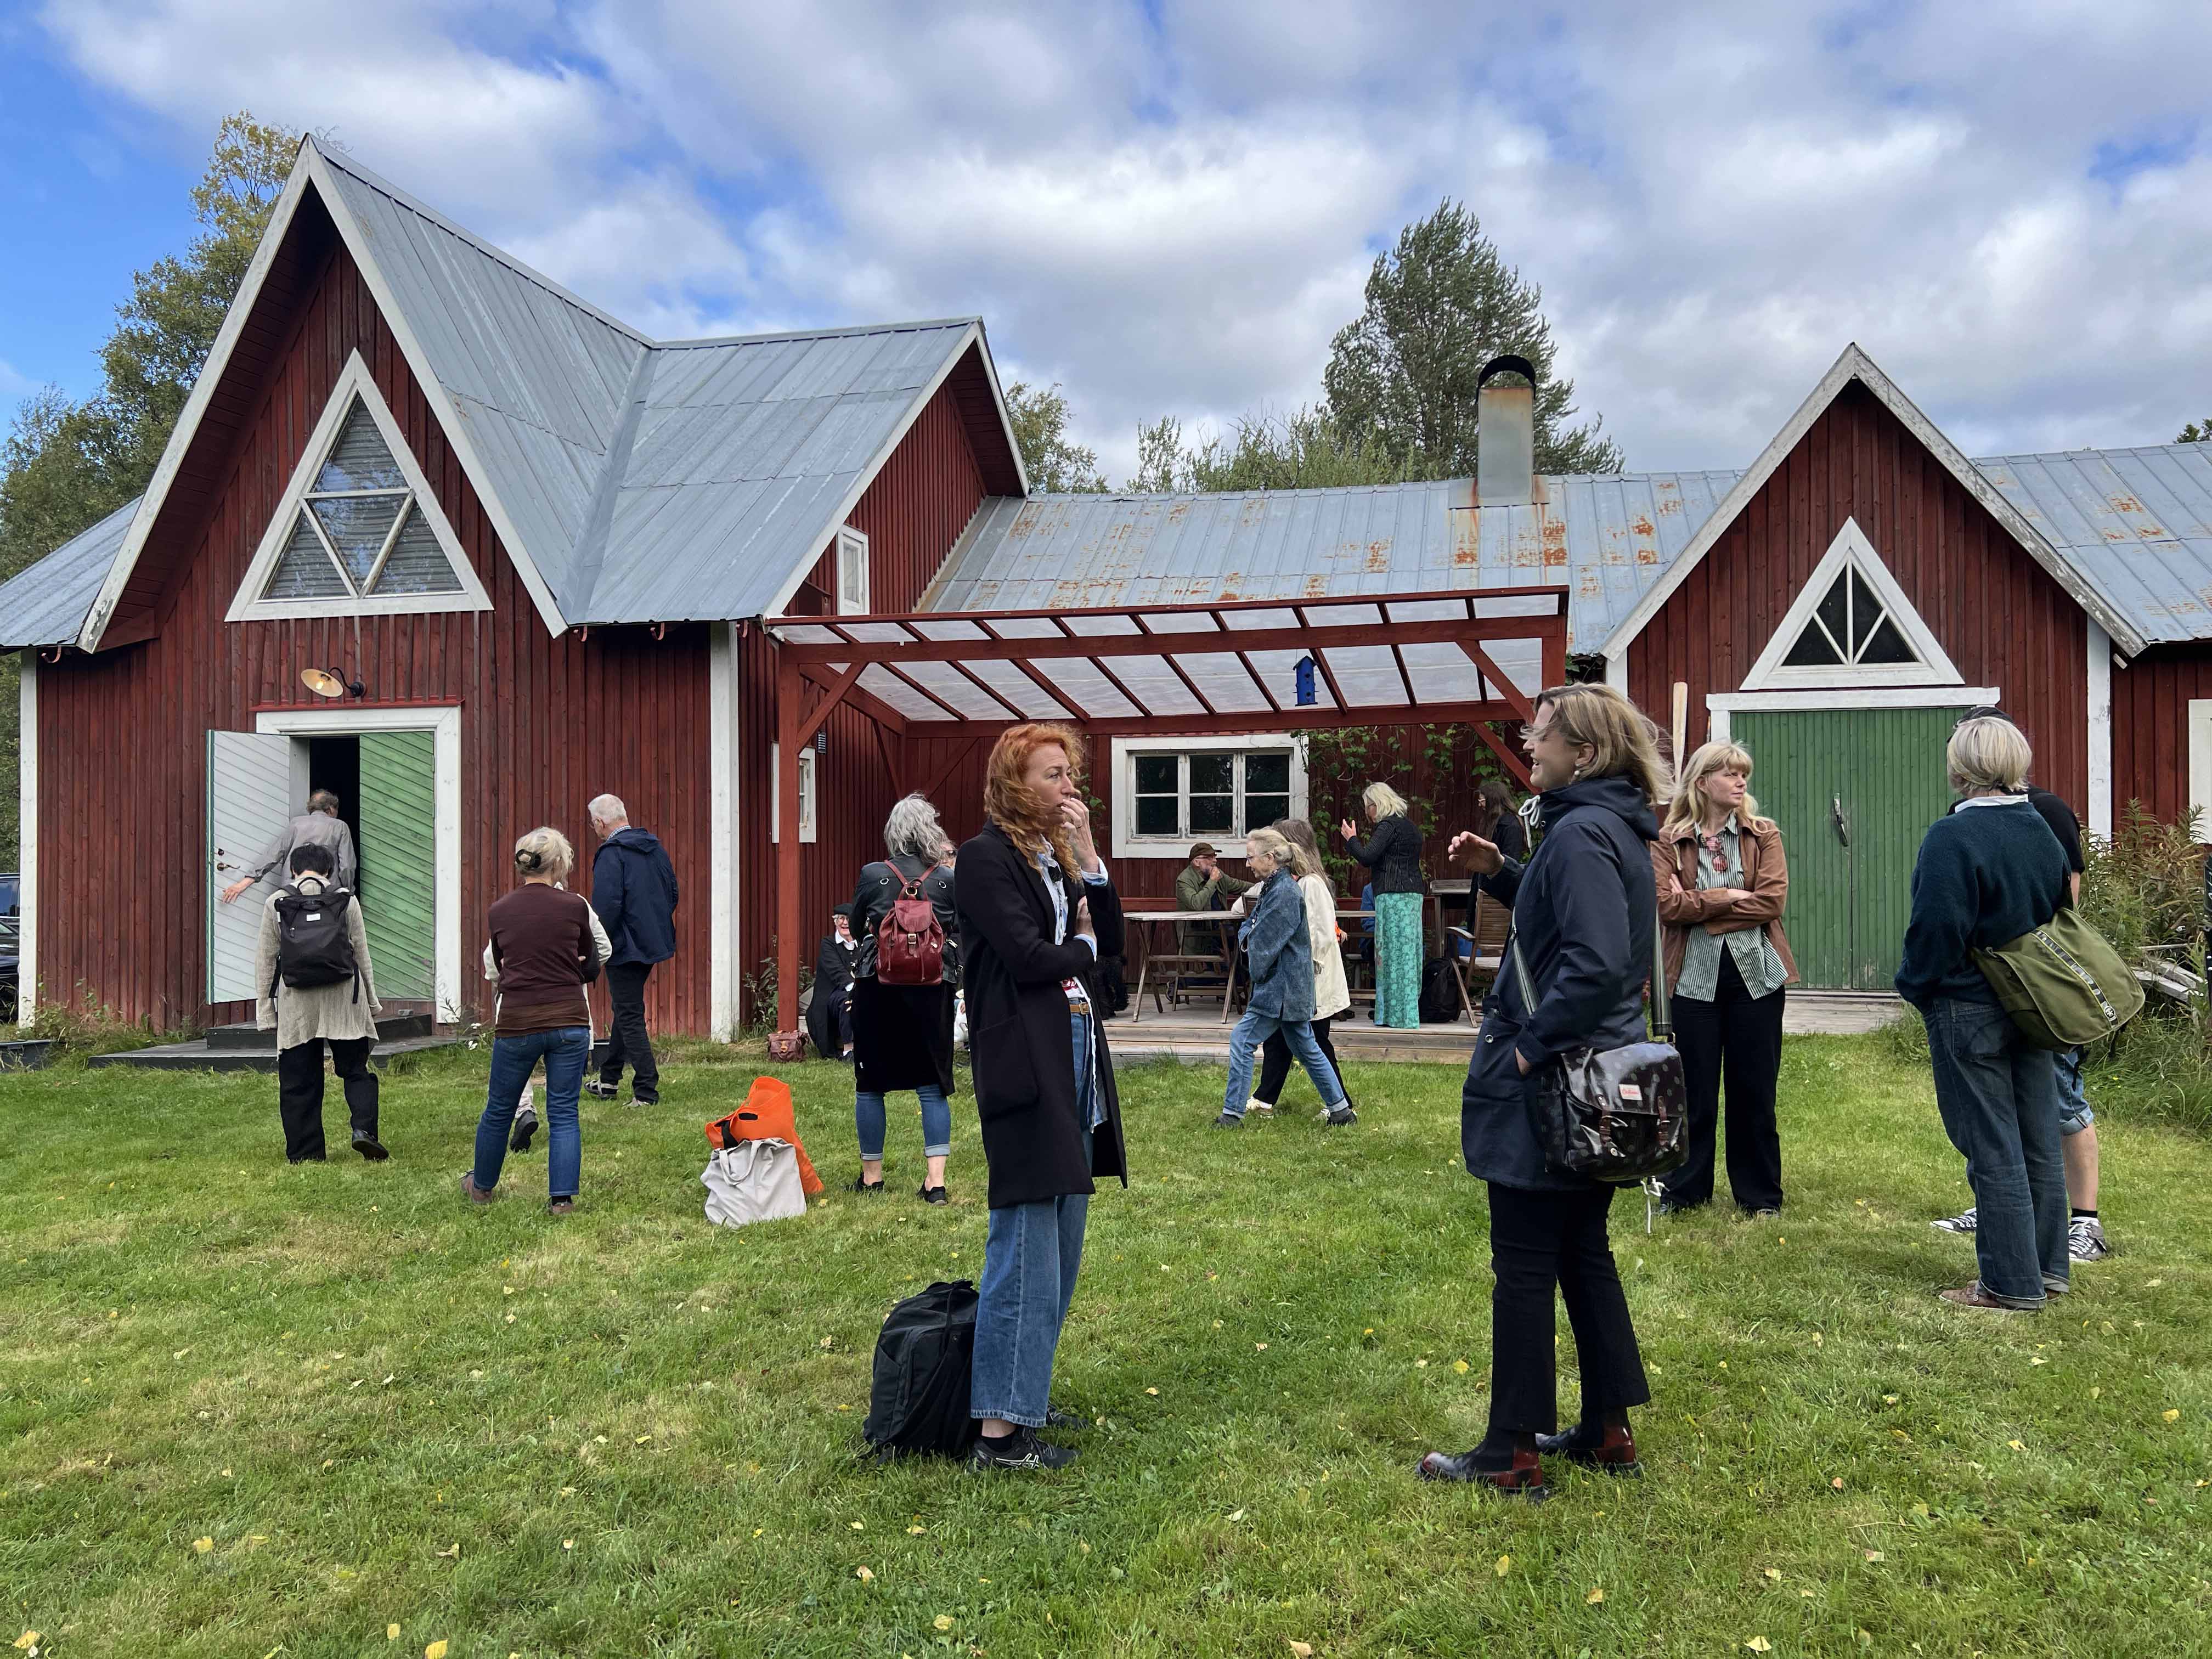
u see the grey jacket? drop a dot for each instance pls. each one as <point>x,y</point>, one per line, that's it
<point>302,1015</point>
<point>309,830</point>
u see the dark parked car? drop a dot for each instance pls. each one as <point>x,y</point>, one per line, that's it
<point>11,899</point>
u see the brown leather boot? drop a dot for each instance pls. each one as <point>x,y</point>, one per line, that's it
<point>1609,1447</point>
<point>1523,1477</point>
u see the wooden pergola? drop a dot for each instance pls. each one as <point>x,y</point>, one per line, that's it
<point>1450,657</point>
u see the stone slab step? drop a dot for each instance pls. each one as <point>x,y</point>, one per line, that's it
<point>207,1057</point>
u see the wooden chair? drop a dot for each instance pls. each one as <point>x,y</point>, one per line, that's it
<point>1492,923</point>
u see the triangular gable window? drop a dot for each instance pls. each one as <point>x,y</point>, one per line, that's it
<point>359,532</point>
<point>1851,625</point>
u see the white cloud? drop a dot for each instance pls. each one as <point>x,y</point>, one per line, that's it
<point>14,383</point>
<point>1171,208</point>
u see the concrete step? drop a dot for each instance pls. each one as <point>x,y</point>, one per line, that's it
<point>207,1057</point>
<point>394,1028</point>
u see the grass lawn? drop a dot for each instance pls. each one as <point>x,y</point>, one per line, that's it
<point>248,1409</point>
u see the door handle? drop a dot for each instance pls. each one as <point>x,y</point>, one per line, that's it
<point>1837,818</point>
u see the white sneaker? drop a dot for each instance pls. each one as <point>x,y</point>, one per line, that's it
<point>2085,1239</point>
<point>1956,1224</point>
<point>1265,1109</point>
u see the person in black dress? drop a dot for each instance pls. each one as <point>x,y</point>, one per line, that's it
<point>830,1015</point>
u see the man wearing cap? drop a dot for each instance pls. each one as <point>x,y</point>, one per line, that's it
<point>2077,1123</point>
<point>1202,885</point>
<point>830,1015</point>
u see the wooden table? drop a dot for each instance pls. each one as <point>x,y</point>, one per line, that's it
<point>1222,919</point>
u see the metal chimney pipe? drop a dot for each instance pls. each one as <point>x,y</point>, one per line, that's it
<point>1505,441</point>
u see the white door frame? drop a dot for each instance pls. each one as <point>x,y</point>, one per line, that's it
<point>444,724</point>
<point>1720,705</point>
<point>723,773</point>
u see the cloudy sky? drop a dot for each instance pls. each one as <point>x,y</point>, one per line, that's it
<point>1170,208</point>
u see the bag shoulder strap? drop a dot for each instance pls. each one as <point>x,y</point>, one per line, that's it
<point>1662,1006</point>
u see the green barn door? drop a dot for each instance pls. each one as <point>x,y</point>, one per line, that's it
<point>399,862</point>
<point>1854,790</point>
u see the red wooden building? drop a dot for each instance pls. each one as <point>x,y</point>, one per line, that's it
<point>559,558</point>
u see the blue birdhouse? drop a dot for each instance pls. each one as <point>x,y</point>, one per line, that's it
<point>1305,673</point>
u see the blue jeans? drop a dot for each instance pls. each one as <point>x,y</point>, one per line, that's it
<point>512,1058</point>
<point>1030,1259</point>
<point>936,1122</point>
<point>1244,1042</point>
<point>1999,1099</point>
<point>2074,1113</point>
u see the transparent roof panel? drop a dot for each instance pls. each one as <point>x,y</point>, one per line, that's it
<point>1080,679</point>
<point>1019,689</point>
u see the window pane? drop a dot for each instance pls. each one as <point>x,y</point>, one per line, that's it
<point>305,572</point>
<point>1269,772</point>
<point>357,525</point>
<point>1156,815</point>
<point>1865,610</point>
<point>1834,611</point>
<point>417,564</point>
<point>1812,649</point>
<point>1156,775</point>
<point>1212,774</point>
<point>1213,815</point>
<point>1261,811</point>
<point>1887,645</point>
<point>360,459</point>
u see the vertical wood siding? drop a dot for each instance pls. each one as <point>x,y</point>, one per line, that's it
<point>2001,617</point>
<point>2150,729</point>
<point>546,723</point>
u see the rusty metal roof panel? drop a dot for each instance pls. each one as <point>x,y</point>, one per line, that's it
<point>46,603</point>
<point>2136,523</point>
<point>1607,537</point>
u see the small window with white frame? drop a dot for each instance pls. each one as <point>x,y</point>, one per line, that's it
<point>1219,790</point>
<point>852,573</point>
<point>806,794</point>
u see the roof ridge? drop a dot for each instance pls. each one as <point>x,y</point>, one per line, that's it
<point>415,205</point>
<point>847,331</point>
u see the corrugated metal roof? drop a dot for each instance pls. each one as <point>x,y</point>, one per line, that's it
<point>1607,537</point>
<point>45,603</point>
<point>2138,523</point>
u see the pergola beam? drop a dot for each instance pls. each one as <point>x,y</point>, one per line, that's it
<point>1449,630</point>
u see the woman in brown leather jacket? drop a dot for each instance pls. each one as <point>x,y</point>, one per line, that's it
<point>1723,882</point>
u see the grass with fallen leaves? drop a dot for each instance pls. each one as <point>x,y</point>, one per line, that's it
<point>252,1409</point>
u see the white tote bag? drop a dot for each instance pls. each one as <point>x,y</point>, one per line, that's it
<point>753,1180</point>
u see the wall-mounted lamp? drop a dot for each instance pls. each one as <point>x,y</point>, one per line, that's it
<point>821,740</point>
<point>331,683</point>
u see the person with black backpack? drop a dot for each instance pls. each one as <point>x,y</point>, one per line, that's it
<point>317,987</point>
<point>904,975</point>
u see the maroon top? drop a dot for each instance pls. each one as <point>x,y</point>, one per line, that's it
<point>541,939</point>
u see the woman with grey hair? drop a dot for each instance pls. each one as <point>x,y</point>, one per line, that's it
<point>902,1004</point>
<point>1986,874</point>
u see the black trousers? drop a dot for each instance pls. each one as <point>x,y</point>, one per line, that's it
<point>299,1090</point>
<point>1275,1062</point>
<point>1736,1037</point>
<point>628,1040</point>
<point>1537,1241</point>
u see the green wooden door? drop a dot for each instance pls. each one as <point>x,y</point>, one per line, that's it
<point>1854,790</point>
<point>399,862</point>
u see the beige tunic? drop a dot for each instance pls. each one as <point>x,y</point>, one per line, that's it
<point>1332,992</point>
<point>302,1015</point>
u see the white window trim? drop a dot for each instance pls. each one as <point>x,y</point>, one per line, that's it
<point>445,726</point>
<point>2200,763</point>
<point>2099,712</point>
<point>852,554</point>
<point>26,785</point>
<point>354,380</point>
<point>1851,548</point>
<point>810,794</point>
<point>1720,705</point>
<point>1127,844</point>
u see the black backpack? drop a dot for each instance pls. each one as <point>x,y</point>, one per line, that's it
<point>919,1402</point>
<point>1439,1003</point>
<point>313,946</point>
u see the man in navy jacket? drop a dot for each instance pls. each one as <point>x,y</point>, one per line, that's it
<point>633,890</point>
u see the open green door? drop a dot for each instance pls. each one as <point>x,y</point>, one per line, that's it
<point>399,862</point>
<point>1854,790</point>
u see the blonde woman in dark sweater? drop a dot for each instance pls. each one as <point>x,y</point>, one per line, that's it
<point>542,942</point>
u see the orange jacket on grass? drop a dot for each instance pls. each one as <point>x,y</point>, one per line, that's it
<point>766,1115</point>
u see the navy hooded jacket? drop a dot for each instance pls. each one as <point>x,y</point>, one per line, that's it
<point>633,890</point>
<point>1584,918</point>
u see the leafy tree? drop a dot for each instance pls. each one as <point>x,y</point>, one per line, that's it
<point>65,466</point>
<point>1441,305</point>
<point>1055,463</point>
<point>2196,432</point>
<point>1304,450</point>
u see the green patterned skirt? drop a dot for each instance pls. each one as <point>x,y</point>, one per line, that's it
<point>1398,952</point>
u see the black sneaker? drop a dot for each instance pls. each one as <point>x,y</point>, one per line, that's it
<point>1056,1419</point>
<point>525,1125</point>
<point>369,1146</point>
<point>933,1195</point>
<point>599,1090</point>
<point>862,1184</point>
<point>1021,1449</point>
<point>1341,1116</point>
<point>1229,1120</point>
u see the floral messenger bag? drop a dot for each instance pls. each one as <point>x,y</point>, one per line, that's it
<point>1620,1115</point>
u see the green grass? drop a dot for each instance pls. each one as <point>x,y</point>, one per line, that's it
<point>629,1433</point>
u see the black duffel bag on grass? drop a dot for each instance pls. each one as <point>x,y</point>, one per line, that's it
<point>918,1400</point>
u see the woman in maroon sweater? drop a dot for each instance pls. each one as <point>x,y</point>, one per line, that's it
<point>541,940</point>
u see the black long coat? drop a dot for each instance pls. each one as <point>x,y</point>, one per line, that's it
<point>1017,1025</point>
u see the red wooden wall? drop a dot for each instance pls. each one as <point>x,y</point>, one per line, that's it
<point>2004,622</point>
<point>547,723</point>
<point>2150,729</point>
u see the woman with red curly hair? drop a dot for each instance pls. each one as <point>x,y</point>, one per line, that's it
<point>1036,911</point>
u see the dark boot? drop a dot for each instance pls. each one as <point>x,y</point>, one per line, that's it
<point>1607,1446</point>
<point>1503,1463</point>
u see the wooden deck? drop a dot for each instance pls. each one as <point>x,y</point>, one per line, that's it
<point>1195,1033</point>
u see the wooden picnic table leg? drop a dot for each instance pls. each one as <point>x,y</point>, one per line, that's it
<point>1229,981</point>
<point>1144,967</point>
